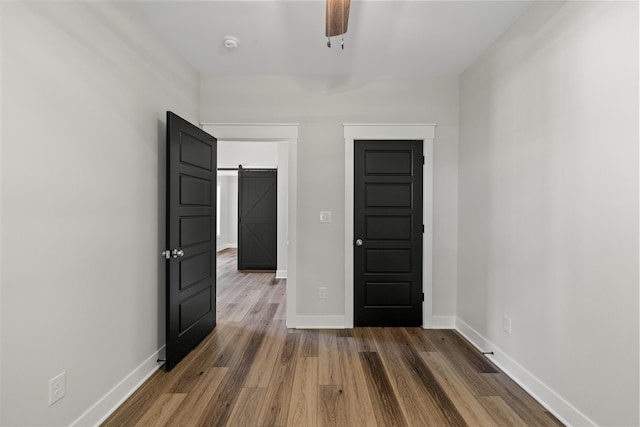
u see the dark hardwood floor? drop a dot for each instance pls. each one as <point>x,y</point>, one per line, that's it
<point>253,371</point>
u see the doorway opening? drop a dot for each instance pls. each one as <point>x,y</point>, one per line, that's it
<point>284,137</point>
<point>249,206</point>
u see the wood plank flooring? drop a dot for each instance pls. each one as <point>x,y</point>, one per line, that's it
<point>253,371</point>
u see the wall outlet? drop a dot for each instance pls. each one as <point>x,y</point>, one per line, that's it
<point>506,324</point>
<point>322,293</point>
<point>57,388</point>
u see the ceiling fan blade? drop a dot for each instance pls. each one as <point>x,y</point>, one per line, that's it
<point>337,17</point>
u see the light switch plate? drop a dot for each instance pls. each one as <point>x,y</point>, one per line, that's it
<point>325,217</point>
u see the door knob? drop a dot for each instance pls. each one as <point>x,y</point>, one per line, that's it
<point>359,242</point>
<point>177,253</point>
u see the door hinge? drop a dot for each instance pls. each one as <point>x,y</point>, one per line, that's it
<point>423,296</point>
<point>423,160</point>
<point>422,228</point>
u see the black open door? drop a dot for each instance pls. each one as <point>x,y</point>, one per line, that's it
<point>388,233</point>
<point>191,240</point>
<point>257,219</point>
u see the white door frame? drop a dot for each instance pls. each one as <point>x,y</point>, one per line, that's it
<point>286,133</point>
<point>383,131</point>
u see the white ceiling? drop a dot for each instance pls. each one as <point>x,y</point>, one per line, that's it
<point>393,37</point>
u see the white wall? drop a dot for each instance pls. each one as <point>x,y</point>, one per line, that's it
<point>232,216</point>
<point>548,206</point>
<point>321,105</point>
<point>222,239</point>
<point>228,211</point>
<point>85,91</point>
<point>250,154</point>
<point>1,221</point>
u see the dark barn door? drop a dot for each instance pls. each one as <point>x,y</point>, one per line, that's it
<point>191,241</point>
<point>388,233</point>
<point>257,219</point>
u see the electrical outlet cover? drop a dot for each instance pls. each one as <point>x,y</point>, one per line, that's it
<point>57,388</point>
<point>506,324</point>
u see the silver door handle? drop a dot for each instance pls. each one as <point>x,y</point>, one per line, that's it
<point>177,253</point>
<point>359,242</point>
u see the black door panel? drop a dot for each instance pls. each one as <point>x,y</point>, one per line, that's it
<point>388,220</point>
<point>191,217</point>
<point>257,219</point>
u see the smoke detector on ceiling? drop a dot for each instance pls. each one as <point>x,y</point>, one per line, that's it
<point>231,42</point>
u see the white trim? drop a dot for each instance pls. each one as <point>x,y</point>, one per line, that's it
<point>320,322</point>
<point>2,101</point>
<point>273,132</point>
<point>443,322</point>
<point>382,131</point>
<point>248,125</point>
<point>281,274</point>
<point>389,125</point>
<point>554,403</point>
<point>106,405</point>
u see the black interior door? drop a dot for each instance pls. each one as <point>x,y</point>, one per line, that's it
<point>257,219</point>
<point>191,244</point>
<point>388,233</point>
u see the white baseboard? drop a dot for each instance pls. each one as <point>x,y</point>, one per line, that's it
<point>548,398</point>
<point>281,274</point>
<point>106,405</point>
<point>319,322</point>
<point>338,322</point>
<point>224,246</point>
<point>443,322</point>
